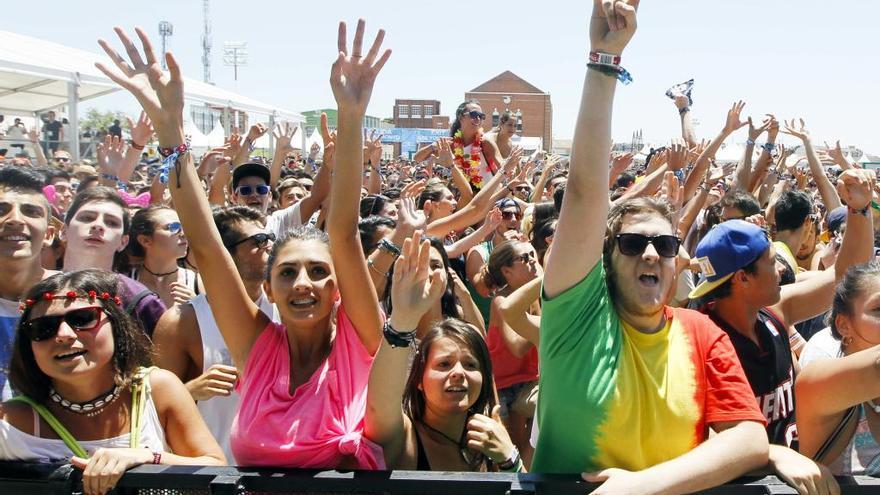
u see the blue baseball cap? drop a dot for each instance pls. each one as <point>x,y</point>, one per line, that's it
<point>728,247</point>
<point>836,218</point>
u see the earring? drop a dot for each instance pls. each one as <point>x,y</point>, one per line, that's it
<point>845,341</point>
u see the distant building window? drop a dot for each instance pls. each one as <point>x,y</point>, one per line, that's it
<point>403,111</point>
<point>429,111</point>
<point>416,111</point>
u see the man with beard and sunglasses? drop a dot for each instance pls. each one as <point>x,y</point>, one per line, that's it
<point>187,339</point>
<point>629,386</point>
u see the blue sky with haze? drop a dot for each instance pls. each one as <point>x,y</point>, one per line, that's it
<point>809,58</point>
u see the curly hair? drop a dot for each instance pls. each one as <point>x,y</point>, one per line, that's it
<point>131,347</point>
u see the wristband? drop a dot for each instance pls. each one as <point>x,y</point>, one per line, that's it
<point>604,58</point>
<point>750,142</point>
<point>389,247</point>
<point>157,458</point>
<point>863,211</point>
<point>514,463</point>
<point>134,145</point>
<point>171,156</point>
<point>684,110</point>
<point>397,339</point>
<point>770,147</point>
<point>612,70</point>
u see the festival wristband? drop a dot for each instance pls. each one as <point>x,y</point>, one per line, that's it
<point>604,58</point>
<point>612,70</point>
<point>170,158</point>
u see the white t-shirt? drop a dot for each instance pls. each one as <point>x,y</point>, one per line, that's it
<point>280,222</point>
<point>9,316</point>
<point>822,345</point>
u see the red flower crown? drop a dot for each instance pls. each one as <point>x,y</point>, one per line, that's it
<point>70,296</point>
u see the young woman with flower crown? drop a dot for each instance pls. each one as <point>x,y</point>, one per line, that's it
<point>80,364</point>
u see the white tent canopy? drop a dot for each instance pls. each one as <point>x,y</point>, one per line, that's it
<point>38,75</point>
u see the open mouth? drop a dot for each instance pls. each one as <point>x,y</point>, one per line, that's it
<point>15,238</point>
<point>70,355</point>
<point>305,302</point>
<point>649,279</point>
<point>457,390</point>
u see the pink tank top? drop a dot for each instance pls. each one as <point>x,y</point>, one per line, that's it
<point>322,422</point>
<point>508,369</point>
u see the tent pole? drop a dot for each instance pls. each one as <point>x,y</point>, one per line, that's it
<point>272,132</point>
<point>73,118</point>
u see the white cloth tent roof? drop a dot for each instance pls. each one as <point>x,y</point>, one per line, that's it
<point>196,138</point>
<point>34,77</point>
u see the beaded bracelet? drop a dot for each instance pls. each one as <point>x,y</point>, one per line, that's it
<point>171,156</point>
<point>134,145</point>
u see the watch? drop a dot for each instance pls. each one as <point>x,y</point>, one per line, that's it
<point>389,247</point>
<point>395,338</point>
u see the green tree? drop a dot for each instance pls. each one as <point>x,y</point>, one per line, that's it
<point>96,120</point>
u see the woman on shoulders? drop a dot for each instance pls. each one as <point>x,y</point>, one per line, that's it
<point>79,361</point>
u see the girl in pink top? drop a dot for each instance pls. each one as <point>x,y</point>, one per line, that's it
<point>303,385</point>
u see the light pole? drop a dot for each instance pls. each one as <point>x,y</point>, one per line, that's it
<point>235,53</point>
<point>166,29</point>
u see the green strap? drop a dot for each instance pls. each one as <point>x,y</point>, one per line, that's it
<point>56,425</point>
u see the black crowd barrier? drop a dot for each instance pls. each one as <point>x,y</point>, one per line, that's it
<point>39,479</point>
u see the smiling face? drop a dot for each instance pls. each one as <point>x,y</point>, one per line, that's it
<point>69,352</point>
<point>24,225</point>
<point>524,267</point>
<point>470,125</point>
<point>303,283</point>
<point>643,283</point>
<point>96,228</point>
<point>452,380</point>
<point>250,259</point>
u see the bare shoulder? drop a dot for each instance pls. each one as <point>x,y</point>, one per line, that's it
<point>18,414</point>
<point>178,322</point>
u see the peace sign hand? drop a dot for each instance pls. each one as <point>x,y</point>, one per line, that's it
<point>160,93</point>
<point>352,76</point>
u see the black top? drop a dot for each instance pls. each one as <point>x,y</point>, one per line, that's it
<point>422,463</point>
<point>770,372</point>
<point>52,130</point>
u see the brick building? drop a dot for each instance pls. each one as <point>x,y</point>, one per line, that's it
<point>507,91</point>
<point>419,114</point>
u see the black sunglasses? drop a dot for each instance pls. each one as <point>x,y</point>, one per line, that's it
<point>45,327</point>
<point>260,240</point>
<point>635,244</point>
<point>525,257</point>
<point>262,190</point>
<point>476,114</point>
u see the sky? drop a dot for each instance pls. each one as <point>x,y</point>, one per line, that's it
<point>794,58</point>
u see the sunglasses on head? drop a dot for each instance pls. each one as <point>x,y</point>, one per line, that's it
<point>476,115</point>
<point>635,244</point>
<point>260,240</point>
<point>46,327</point>
<point>262,190</point>
<point>174,227</point>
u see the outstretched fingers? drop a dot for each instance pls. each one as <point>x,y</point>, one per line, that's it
<point>358,39</point>
<point>133,53</point>
<point>149,53</point>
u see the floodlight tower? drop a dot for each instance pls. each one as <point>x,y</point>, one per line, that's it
<point>166,29</point>
<point>206,42</point>
<point>235,53</point>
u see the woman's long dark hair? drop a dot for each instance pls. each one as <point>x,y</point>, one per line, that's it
<point>131,347</point>
<point>467,336</point>
<point>458,113</point>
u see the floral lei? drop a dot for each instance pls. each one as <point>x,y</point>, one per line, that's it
<point>468,163</point>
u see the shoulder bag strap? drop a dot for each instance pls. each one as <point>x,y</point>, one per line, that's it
<point>835,434</point>
<point>139,393</point>
<point>56,425</point>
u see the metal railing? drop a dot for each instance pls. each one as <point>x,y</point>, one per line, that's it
<point>38,479</point>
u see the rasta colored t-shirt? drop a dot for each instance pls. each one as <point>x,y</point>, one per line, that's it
<point>611,396</point>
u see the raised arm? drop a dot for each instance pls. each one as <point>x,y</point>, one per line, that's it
<point>283,133</point>
<point>515,309</point>
<point>577,246</point>
<point>826,189</point>
<point>161,96</point>
<point>743,176</point>
<point>682,103</point>
<point>34,138</point>
<point>803,300</point>
<point>415,289</point>
<point>352,78</point>
<point>731,124</point>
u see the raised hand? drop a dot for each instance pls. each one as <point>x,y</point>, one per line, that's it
<point>283,134</point>
<point>772,128</point>
<point>444,152</point>
<point>212,160</point>
<point>755,132</point>
<point>326,136</point>
<point>797,129</point>
<point>612,25</point>
<point>409,216</point>
<point>256,132</point>
<point>681,101</point>
<point>620,162</point>
<point>676,155</point>
<point>734,121</point>
<point>510,163</point>
<point>232,143</point>
<point>142,130</point>
<point>160,94</point>
<point>111,154</point>
<point>856,187</point>
<point>352,76</point>
<point>415,287</point>
<point>314,150</point>
<point>218,381</point>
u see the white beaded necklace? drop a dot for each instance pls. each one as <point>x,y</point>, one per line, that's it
<point>89,408</point>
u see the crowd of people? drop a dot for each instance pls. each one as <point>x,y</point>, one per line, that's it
<point>660,327</point>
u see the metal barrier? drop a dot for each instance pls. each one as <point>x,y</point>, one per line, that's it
<point>39,479</point>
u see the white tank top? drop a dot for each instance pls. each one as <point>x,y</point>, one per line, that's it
<point>485,171</point>
<point>218,412</point>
